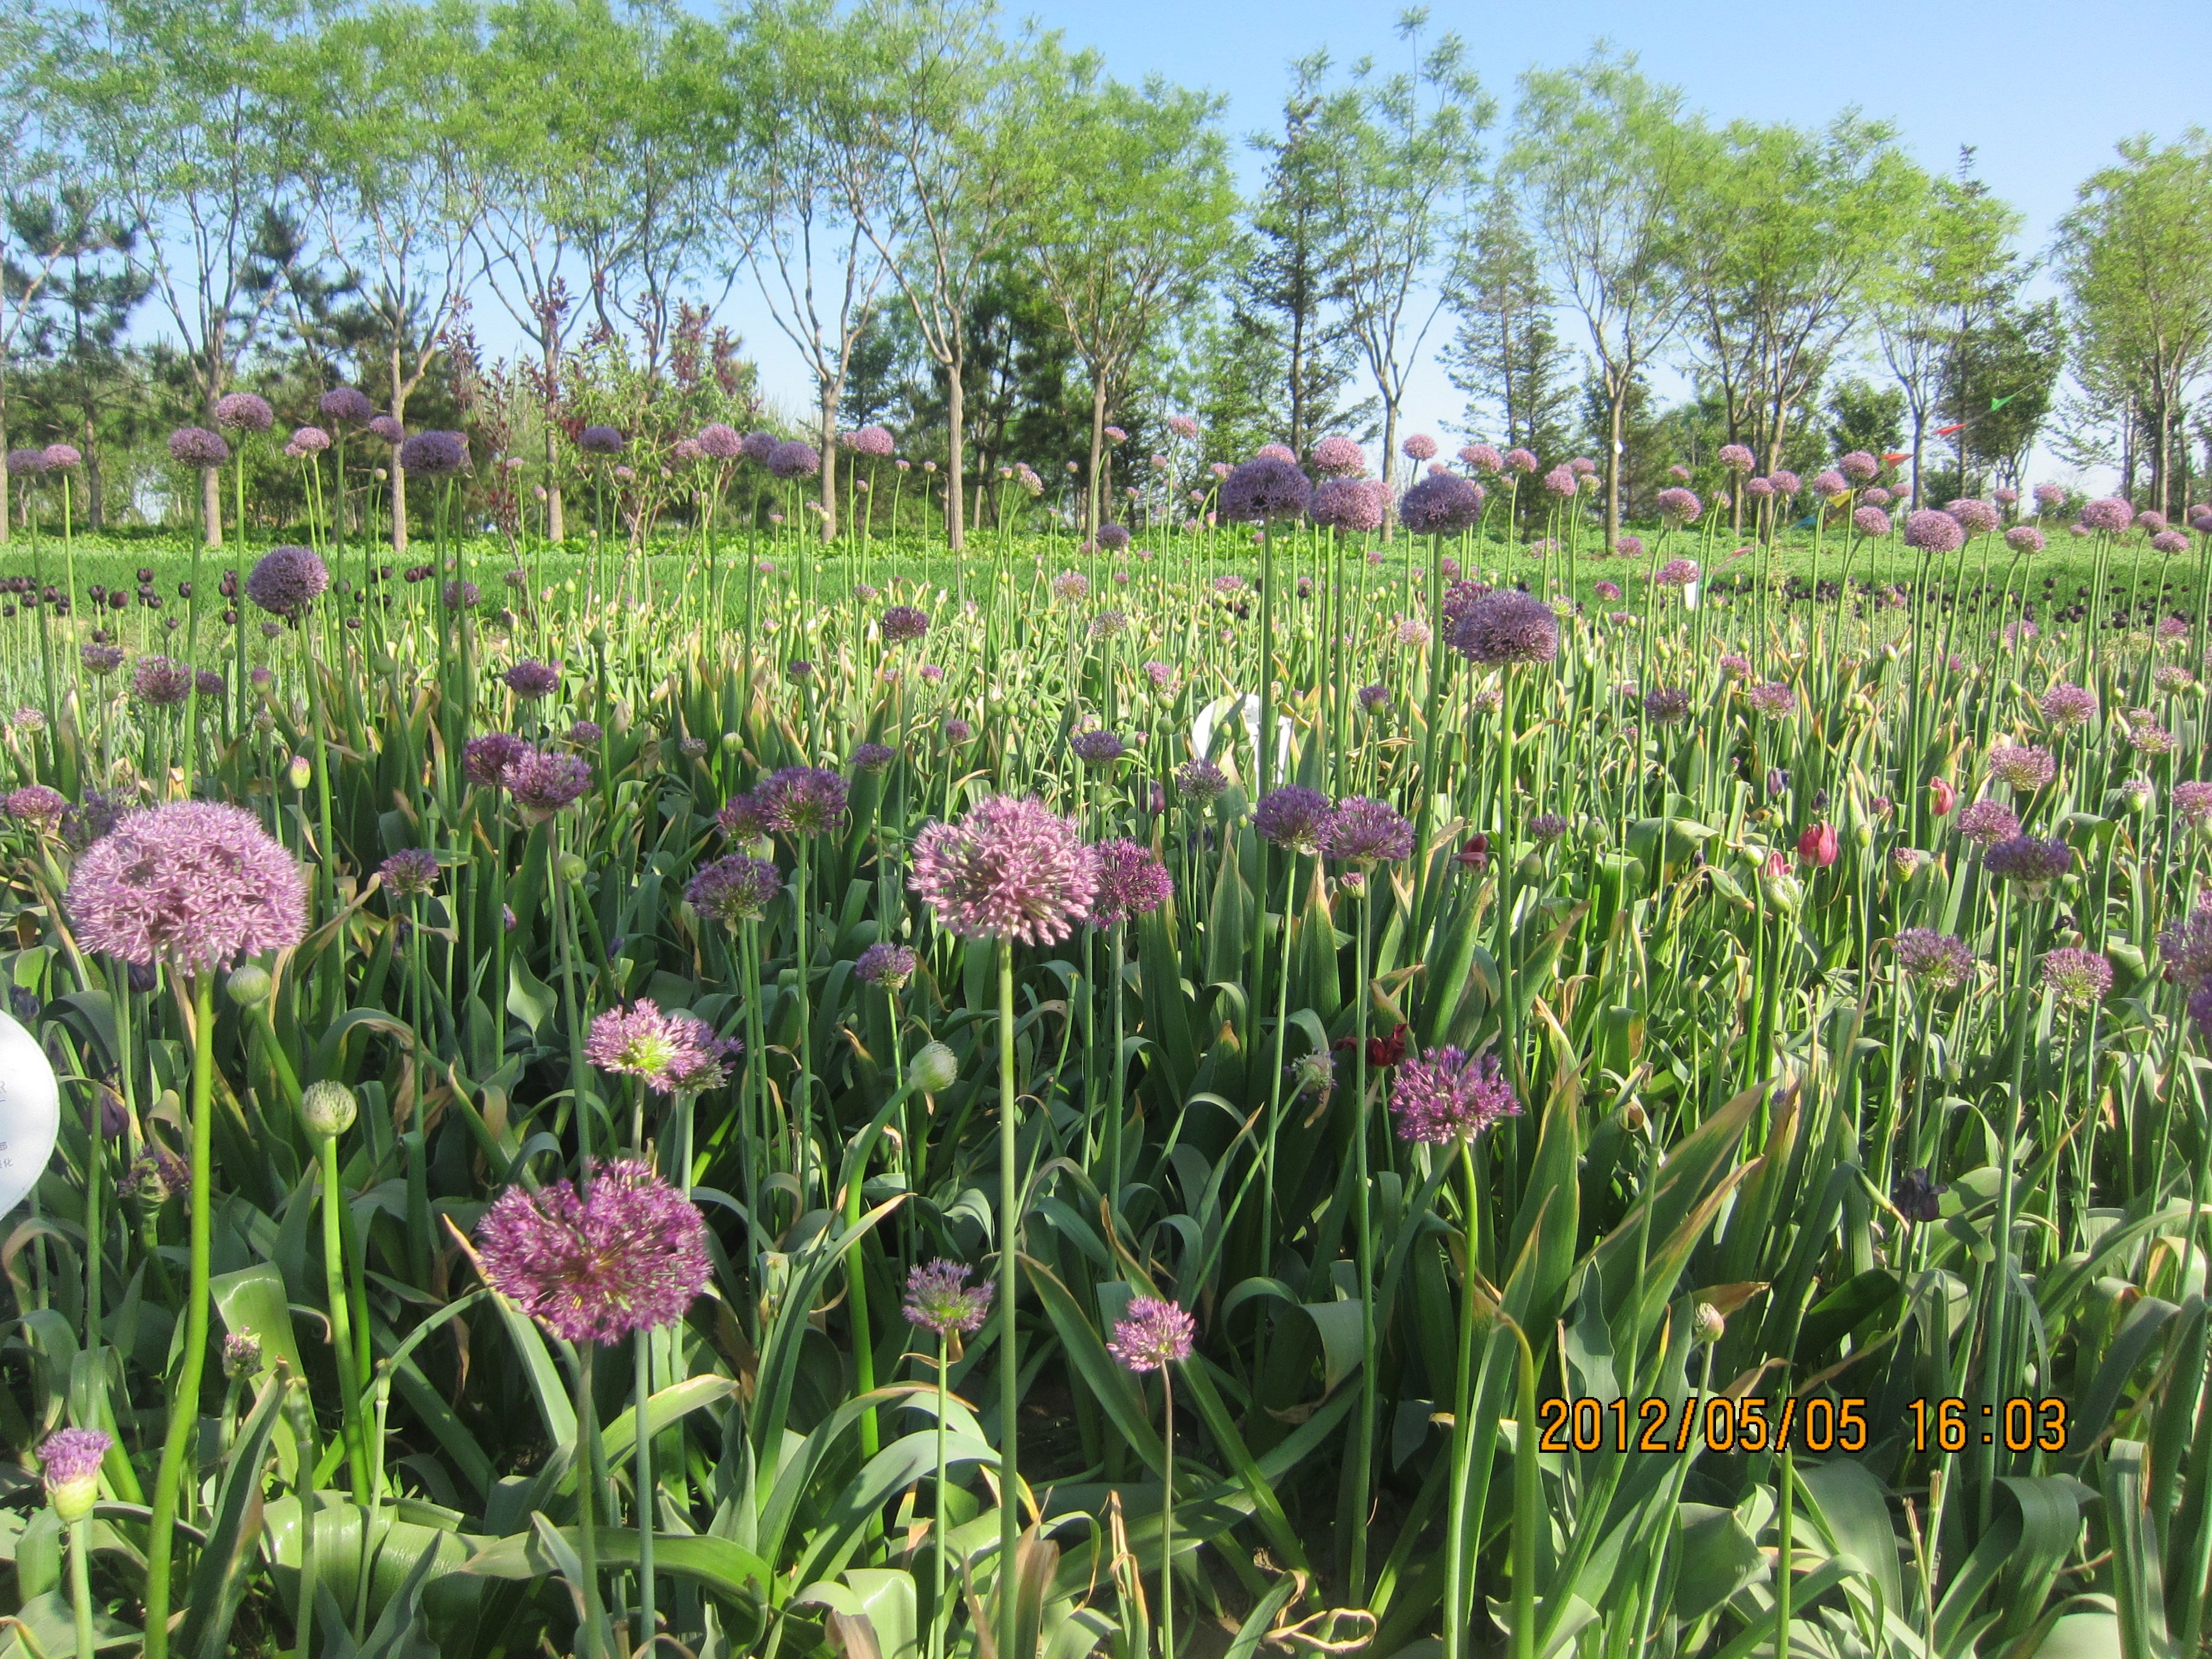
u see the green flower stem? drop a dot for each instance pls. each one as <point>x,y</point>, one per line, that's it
<point>641,1395</point>
<point>1009,1253</point>
<point>80,1585</point>
<point>595,1640</point>
<point>1166,1514</point>
<point>334,1290</point>
<point>937,1612</point>
<point>1361,1471</point>
<point>1456,1614</point>
<point>1527,1505</point>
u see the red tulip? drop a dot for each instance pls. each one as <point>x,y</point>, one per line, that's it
<point>1817,845</point>
<point>1942,796</point>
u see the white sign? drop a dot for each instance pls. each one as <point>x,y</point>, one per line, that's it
<point>30,1112</point>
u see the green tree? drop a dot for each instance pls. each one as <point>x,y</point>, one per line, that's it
<point>1505,354</point>
<point>27,173</point>
<point>1862,416</point>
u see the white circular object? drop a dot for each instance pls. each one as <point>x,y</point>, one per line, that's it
<point>30,1112</point>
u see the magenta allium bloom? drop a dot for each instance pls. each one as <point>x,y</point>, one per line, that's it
<point>686,452</point>
<point>1200,781</point>
<point>532,679</point>
<point>35,803</point>
<point>161,681</point>
<point>872,756</point>
<point>1547,827</point>
<point>2150,519</point>
<point>1975,516</point>
<point>1876,495</point>
<point>2187,947</point>
<point>2169,542</point>
<point>489,761</point>
<point>2006,496</point>
<point>955,730</point>
<point>903,623</point>
<point>1784,482</point>
<point>285,580</point>
<point>1506,626</point>
<point>873,441</point>
<point>2108,515</point>
<point>1520,460</point>
<point>1628,546</point>
<point>1184,425</point>
<point>1760,488</point>
<point>735,888</point>
<point>1858,466</point>
<point>1363,830</point>
<point>669,1051</point>
<point>1374,698</point>
<point>61,458</point>
<point>794,459</point>
<point>69,1465</point>
<point>1097,747</point>
<point>544,780</point>
<point>1678,572</point>
<point>1609,590</point>
<point>1871,521</point>
<point>1113,538</point>
<point>1940,962</point>
<point>1560,480</point>
<point>2066,706</point>
<point>1071,585</point>
<point>242,411</point>
<point>1264,489</point>
<point>939,1298</point>
<point>1448,1095</point>
<point>410,873</point>
<point>1152,1335</point>
<point>2033,864</point>
<point>2024,767</point>
<point>2050,497</point>
<point>435,454</point>
<point>1830,484</point>
<point>720,443</point>
<point>2077,979</point>
<point>1989,822</point>
<point>100,658</point>
<point>1483,458</point>
<point>1737,459</point>
<point>757,446</point>
<point>1934,532</point>
<point>601,440</point>
<point>1666,705</point>
<point>1162,675</point>
<point>1337,457</point>
<point>193,884</point>
<point>195,446</point>
<point>885,964</point>
<point>2024,538</point>
<point>1734,665</point>
<point>630,1256</point>
<point>1011,868</point>
<point>1773,699</point>
<point>802,800</point>
<point>347,403</point>
<point>389,429</point>
<point>1276,452</point>
<point>1293,817</point>
<point>1418,448</point>
<point>1132,882</point>
<point>1443,504</point>
<point>2193,805</point>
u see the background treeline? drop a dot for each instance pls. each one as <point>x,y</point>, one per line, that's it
<point>982,241</point>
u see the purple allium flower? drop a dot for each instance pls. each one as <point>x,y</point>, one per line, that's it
<point>1441,504</point>
<point>1520,460</point>
<point>2150,519</point>
<point>2050,497</point>
<point>388,428</point>
<point>885,964</point>
<point>1872,521</point>
<point>1627,546</point>
<point>1151,1334</point>
<point>195,446</point>
<point>1830,484</point>
<point>532,679</point>
<point>1363,830</point>
<point>957,730</point>
<point>1293,817</point>
<point>1011,868</point>
<point>90,819</point>
<point>193,884</point>
<point>161,681</point>
<point>601,440</point>
<point>1774,699</point>
<point>1547,827</point>
<point>1097,747</point>
<point>2187,948</point>
<point>2033,864</point>
<point>1737,459</point>
<point>1110,624</point>
<point>1200,782</point>
<point>210,684</point>
<point>1666,705</point>
<point>873,442</point>
<point>1560,480</point>
<point>1374,698</point>
<point>545,780</point>
<point>489,761</point>
<point>285,580</point>
<point>2024,538</point>
<point>1611,591</point>
<point>1162,675</point>
<point>347,403</point>
<point>903,623</point>
<point>584,733</point>
<point>628,1257</point>
<point>1337,457</point>
<point>35,803</point>
<point>1734,665</point>
<point>757,446</point>
<point>435,454</point>
<point>242,411</point>
<point>939,1298</point>
<point>802,800</point>
<point>306,441</point>
<point>1678,572</point>
<point>2025,767</point>
<point>794,459</point>
<point>686,452</point>
<point>1263,490</point>
<point>2192,804</point>
<point>1506,626</point>
<point>100,658</point>
<point>1132,882</point>
<point>26,462</point>
<point>1276,452</point>
<point>1916,1197</point>
<point>69,1464</point>
<point>671,1052</point>
<point>1448,1095</point>
<point>1859,466</point>
<point>734,889</point>
<point>1113,538</point>
<point>1975,516</point>
<point>2169,542</point>
<point>1989,822</point>
<point>1783,482</point>
<point>2108,515</point>
<point>1419,447</point>
<point>2077,979</point>
<point>1484,457</point>
<point>1184,425</point>
<point>1071,585</point>
<point>1934,532</point>
<point>872,756</point>
<point>720,443</point>
<point>2145,734</point>
<point>410,873</point>
<point>1940,962</point>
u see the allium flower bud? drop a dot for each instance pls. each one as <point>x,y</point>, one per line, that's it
<point>71,1459</point>
<point>328,1107</point>
<point>934,1069</point>
<point>1711,1327</point>
<point>249,984</point>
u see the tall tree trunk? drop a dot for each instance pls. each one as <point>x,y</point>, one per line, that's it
<point>956,418</point>
<point>6,503</point>
<point>399,472</point>
<point>1097,447</point>
<point>1389,468</point>
<point>211,505</point>
<point>95,494</point>
<point>556,516</point>
<point>830,463</point>
<point>1618,403</point>
<point>1919,438</point>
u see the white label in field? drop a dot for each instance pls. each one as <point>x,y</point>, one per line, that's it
<point>30,1112</point>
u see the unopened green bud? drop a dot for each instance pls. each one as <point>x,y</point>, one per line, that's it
<point>934,1069</point>
<point>301,772</point>
<point>249,984</point>
<point>329,1107</point>
<point>1710,1325</point>
<point>571,868</point>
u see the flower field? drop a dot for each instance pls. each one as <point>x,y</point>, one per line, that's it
<point>1265,1085</point>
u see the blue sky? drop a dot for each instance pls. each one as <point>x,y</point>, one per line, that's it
<point>2041,88</point>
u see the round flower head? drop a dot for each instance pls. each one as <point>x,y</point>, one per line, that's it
<point>1097,748</point>
<point>2077,979</point>
<point>195,446</point>
<point>2108,515</point>
<point>2050,497</point>
<point>670,1051</point>
<point>2024,767</point>
<point>872,756</point>
<point>1152,1335</point>
<point>388,428</point>
<point>27,463</point>
<point>1521,461</point>
<point>720,443</point>
<point>1872,521</point>
<point>1783,482</point>
<point>1483,458</point>
<point>1010,868</point>
<point>885,964</point>
<point>435,454</point>
<point>1560,480</point>
<point>1666,705</point>
<point>2193,805</point>
<point>489,761</point>
<point>1376,698</point>
<point>161,681</point>
<point>544,780</point>
<point>939,1298</point>
<point>802,800</point>
<point>35,803</point>
<point>1071,585</point>
<point>2169,541</point>
<point>873,442</point>
<point>1678,572</point>
<point>601,440</point>
<point>1773,698</point>
<point>2145,734</point>
<point>1506,626</point>
<point>410,873</point>
<point>957,730</point>
<point>306,441</point>
<point>1293,817</point>
<point>530,679</point>
<point>1939,961</point>
<point>584,733</point>
<point>794,459</point>
<point>1441,504</point>
<point>2033,864</point>
<point>1737,459</point>
<point>1934,532</point>
<point>101,658</point>
<point>68,1463</point>
<point>628,1257</point>
<point>347,403</point>
<point>1831,485</point>
<point>1916,1196</point>
<point>192,883</point>
<point>756,446</point>
<point>242,411</point>
<point>1989,822</point>
<point>1200,782</point>
<point>1337,457</point>
<point>1110,624</point>
<point>1363,830</point>
<point>1419,447</point>
<point>285,580</point>
<point>1448,1095</point>
<point>2024,538</point>
<point>1263,490</point>
<point>1113,538</point>
<point>1547,827</point>
<point>735,888</point>
<point>903,623</point>
<point>1859,466</point>
<point>1132,882</point>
